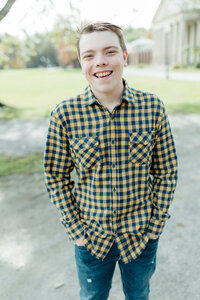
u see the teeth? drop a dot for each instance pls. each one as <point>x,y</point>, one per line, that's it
<point>103,74</point>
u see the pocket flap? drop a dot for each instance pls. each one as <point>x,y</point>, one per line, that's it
<point>85,143</point>
<point>140,138</point>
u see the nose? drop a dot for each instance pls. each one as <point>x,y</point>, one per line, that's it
<point>100,60</point>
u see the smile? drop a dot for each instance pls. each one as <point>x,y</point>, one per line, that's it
<point>102,74</point>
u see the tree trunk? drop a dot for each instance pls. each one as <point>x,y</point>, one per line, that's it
<point>4,11</point>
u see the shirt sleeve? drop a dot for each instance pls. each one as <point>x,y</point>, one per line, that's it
<point>58,165</point>
<point>164,173</point>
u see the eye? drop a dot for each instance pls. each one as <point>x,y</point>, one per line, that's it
<point>110,52</point>
<point>88,56</point>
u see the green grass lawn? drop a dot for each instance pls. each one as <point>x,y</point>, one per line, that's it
<point>35,92</point>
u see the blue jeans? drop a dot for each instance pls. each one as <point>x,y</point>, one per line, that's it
<point>95,276</point>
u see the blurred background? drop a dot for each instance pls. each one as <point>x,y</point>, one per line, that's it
<point>38,50</point>
<point>38,69</point>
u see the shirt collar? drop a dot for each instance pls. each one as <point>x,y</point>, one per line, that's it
<point>88,97</point>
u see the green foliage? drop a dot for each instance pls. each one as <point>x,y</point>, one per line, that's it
<point>131,34</point>
<point>11,52</point>
<point>176,67</point>
<point>29,164</point>
<point>41,52</point>
<point>53,48</point>
<point>198,65</point>
<point>64,39</point>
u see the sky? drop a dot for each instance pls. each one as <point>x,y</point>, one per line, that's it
<point>29,15</point>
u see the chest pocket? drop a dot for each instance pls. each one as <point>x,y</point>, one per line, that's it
<point>140,147</point>
<point>85,152</point>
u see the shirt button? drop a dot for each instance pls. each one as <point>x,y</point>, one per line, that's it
<point>114,189</point>
<point>113,165</point>
<point>115,212</point>
<point>113,142</point>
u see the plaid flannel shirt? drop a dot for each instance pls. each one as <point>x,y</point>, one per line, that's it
<point>126,165</point>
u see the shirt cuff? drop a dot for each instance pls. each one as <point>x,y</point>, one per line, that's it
<point>156,226</point>
<point>75,231</point>
<point>157,221</point>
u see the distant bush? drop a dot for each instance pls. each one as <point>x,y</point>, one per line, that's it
<point>198,65</point>
<point>140,66</point>
<point>176,67</point>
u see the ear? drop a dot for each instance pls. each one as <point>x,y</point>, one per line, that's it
<point>125,58</point>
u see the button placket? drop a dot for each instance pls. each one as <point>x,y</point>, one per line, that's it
<point>114,173</point>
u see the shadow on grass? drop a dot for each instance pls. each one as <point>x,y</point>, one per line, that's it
<point>28,164</point>
<point>12,113</point>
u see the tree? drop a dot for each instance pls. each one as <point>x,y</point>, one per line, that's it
<point>5,10</point>
<point>132,34</point>
<point>64,39</point>
<point>11,52</point>
<point>195,2</point>
<point>40,51</point>
<point>52,48</point>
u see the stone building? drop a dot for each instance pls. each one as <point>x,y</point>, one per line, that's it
<point>140,51</point>
<point>176,33</point>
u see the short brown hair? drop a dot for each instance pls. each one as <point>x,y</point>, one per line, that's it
<point>100,26</point>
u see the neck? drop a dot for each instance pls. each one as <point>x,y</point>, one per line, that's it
<point>110,98</point>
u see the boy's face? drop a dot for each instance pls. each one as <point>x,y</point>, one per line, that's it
<point>102,61</point>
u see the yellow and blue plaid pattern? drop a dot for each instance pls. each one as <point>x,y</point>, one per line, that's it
<point>127,169</point>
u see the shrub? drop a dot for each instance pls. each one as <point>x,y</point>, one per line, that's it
<point>176,67</point>
<point>198,65</point>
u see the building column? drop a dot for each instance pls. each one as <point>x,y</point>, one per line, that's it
<point>192,43</point>
<point>155,47</point>
<point>198,34</point>
<point>183,42</point>
<point>178,44</point>
<point>173,44</point>
<point>198,41</point>
<point>175,48</point>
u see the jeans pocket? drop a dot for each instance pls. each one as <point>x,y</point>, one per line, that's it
<point>81,247</point>
<point>152,241</point>
<point>149,253</point>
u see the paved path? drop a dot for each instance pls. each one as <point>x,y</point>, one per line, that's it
<point>18,137</point>
<point>162,73</point>
<point>36,257</point>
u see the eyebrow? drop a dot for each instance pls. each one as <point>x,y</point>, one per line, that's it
<point>106,48</point>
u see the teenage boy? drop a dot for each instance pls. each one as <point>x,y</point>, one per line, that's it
<point>120,142</point>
